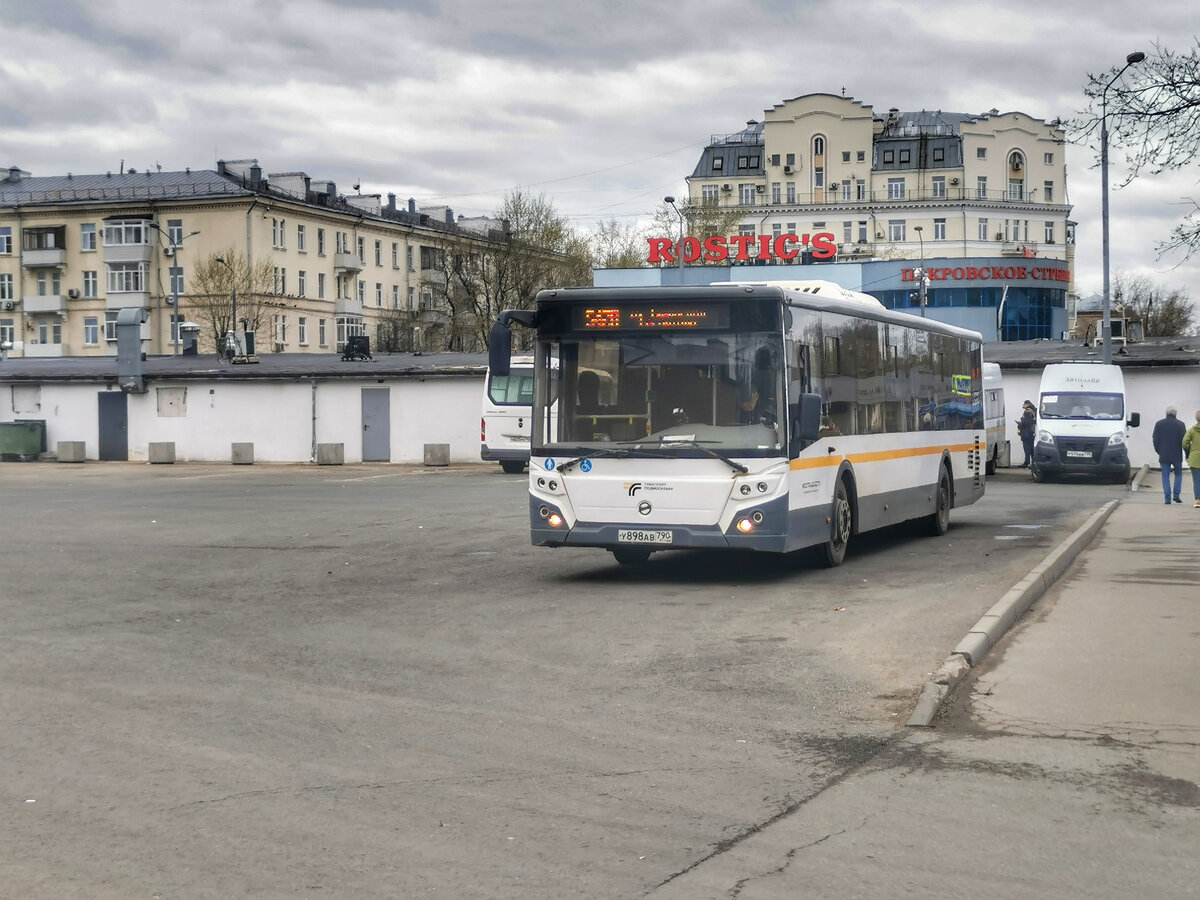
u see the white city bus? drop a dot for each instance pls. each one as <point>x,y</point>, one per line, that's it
<point>758,416</point>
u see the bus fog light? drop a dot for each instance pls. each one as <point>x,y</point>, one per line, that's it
<point>745,489</point>
<point>762,487</point>
<point>553,485</point>
<point>555,520</point>
<point>541,482</point>
<point>745,526</point>
<point>544,511</point>
<point>757,517</point>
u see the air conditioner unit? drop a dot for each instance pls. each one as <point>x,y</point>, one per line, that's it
<point>73,293</point>
<point>1014,161</point>
<point>954,181</point>
<point>999,235</point>
<point>761,188</point>
<point>168,251</point>
<point>727,187</point>
<point>788,170</point>
<point>9,305</point>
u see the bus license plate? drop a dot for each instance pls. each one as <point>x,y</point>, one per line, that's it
<point>1080,454</point>
<point>638,536</point>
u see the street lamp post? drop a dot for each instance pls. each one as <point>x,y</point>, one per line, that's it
<point>924,280</point>
<point>1106,329</point>
<point>679,246</point>
<point>176,246</point>
<point>233,302</point>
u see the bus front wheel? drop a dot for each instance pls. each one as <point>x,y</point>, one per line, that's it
<point>833,551</point>
<point>939,519</point>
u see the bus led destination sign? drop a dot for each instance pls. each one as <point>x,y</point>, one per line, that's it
<point>652,316</point>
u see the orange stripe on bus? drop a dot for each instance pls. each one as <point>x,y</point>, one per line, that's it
<point>878,456</point>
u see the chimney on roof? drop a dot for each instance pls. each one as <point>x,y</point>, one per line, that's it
<point>14,174</point>
<point>391,207</point>
<point>221,167</point>
<point>449,216</point>
<point>412,205</point>
<point>255,177</point>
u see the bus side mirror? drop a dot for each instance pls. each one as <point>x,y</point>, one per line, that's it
<point>500,340</point>
<point>805,417</point>
<point>1135,419</point>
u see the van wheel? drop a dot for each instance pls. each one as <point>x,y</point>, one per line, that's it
<point>833,551</point>
<point>512,466</point>
<point>1122,477</point>
<point>631,556</point>
<point>939,520</point>
<point>1037,473</point>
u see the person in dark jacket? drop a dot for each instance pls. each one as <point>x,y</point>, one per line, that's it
<point>1168,444</point>
<point>1026,429</point>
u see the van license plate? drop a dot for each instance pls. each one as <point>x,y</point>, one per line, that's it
<point>638,536</point>
<point>1080,454</point>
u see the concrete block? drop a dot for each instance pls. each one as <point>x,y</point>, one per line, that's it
<point>331,454</point>
<point>242,454</point>
<point>71,451</point>
<point>437,454</point>
<point>974,647</point>
<point>162,452</point>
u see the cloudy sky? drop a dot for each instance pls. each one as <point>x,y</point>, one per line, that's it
<point>604,107</point>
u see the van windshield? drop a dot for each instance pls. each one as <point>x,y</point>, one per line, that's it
<point>1082,406</point>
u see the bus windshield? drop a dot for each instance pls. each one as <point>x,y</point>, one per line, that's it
<point>681,392</point>
<point>1082,406</point>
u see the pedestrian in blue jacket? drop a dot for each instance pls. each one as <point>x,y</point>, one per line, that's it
<point>1168,444</point>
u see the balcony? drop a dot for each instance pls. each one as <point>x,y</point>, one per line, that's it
<point>126,253</point>
<point>348,306</point>
<point>43,303</point>
<point>348,263</point>
<point>433,277</point>
<point>52,256</point>
<point>125,299</point>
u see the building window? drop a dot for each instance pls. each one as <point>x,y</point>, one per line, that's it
<point>939,185</point>
<point>87,237</point>
<point>1048,234</point>
<point>905,156</point>
<point>983,229</point>
<point>125,278</point>
<point>378,294</point>
<point>362,292</point>
<point>861,156</point>
<point>302,331</point>
<point>718,164</point>
<point>790,159</point>
<point>362,251</point>
<point>119,232</point>
<point>847,232</point>
<point>177,281</point>
<point>408,258</point>
<point>818,146</point>
<point>6,287</point>
<point>1048,158</point>
<point>845,156</point>
<point>981,187</point>
<point>280,280</point>
<point>1048,192</point>
<point>7,330</point>
<point>1016,189</point>
<point>301,239</point>
<point>895,188</point>
<point>791,192</point>
<point>176,320</point>
<point>981,152</point>
<point>342,243</point>
<point>279,234</point>
<point>395,255</point>
<point>347,326</point>
<point>395,296</point>
<point>175,232</point>
<point>709,195</point>
<point>746,194</point>
<point>411,295</point>
<point>896,230</point>
<point>939,229</point>
<point>862,232</point>
<point>91,284</point>
<point>860,189</point>
<point>301,283</point>
<point>321,333</point>
<point>846,189</point>
<point>379,253</point>
<point>320,285</point>
<point>91,331</point>
<point>110,324</point>
<point>743,162</point>
<point>777,229</point>
<point>939,154</point>
<point>889,157</point>
<point>321,241</point>
<point>819,177</point>
<point>5,240</point>
<point>280,329</point>
<point>776,192</point>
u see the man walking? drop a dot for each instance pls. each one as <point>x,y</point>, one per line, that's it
<point>1168,444</point>
<point>1026,430</point>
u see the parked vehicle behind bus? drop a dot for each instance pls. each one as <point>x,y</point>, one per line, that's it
<point>506,422</point>
<point>993,414</point>
<point>759,417</point>
<point>1083,423</point>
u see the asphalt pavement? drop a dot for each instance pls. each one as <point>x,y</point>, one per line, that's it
<point>1049,771</point>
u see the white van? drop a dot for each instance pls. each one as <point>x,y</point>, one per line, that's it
<point>1083,424</point>
<point>506,425</point>
<point>993,415</point>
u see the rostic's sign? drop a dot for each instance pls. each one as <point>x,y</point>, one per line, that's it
<point>737,247</point>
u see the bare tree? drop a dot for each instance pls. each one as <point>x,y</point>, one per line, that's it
<point>618,246</point>
<point>209,300</point>
<point>1154,117</point>
<point>394,332</point>
<point>1163,312</point>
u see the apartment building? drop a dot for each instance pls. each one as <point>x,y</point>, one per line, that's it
<point>75,249</point>
<point>978,200</point>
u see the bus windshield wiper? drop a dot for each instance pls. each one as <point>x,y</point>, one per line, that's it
<point>615,452</point>
<point>670,441</point>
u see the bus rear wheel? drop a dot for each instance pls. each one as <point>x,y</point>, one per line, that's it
<point>939,519</point>
<point>631,556</point>
<point>833,551</point>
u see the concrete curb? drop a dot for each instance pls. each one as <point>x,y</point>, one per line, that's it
<point>988,631</point>
<point>1139,478</point>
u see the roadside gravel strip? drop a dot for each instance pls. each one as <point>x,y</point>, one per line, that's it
<point>988,631</point>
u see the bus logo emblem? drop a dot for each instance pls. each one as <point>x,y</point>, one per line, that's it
<point>644,507</point>
<point>633,487</point>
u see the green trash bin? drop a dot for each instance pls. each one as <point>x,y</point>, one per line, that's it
<point>22,441</point>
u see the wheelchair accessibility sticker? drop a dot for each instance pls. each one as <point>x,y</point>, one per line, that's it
<point>585,466</point>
